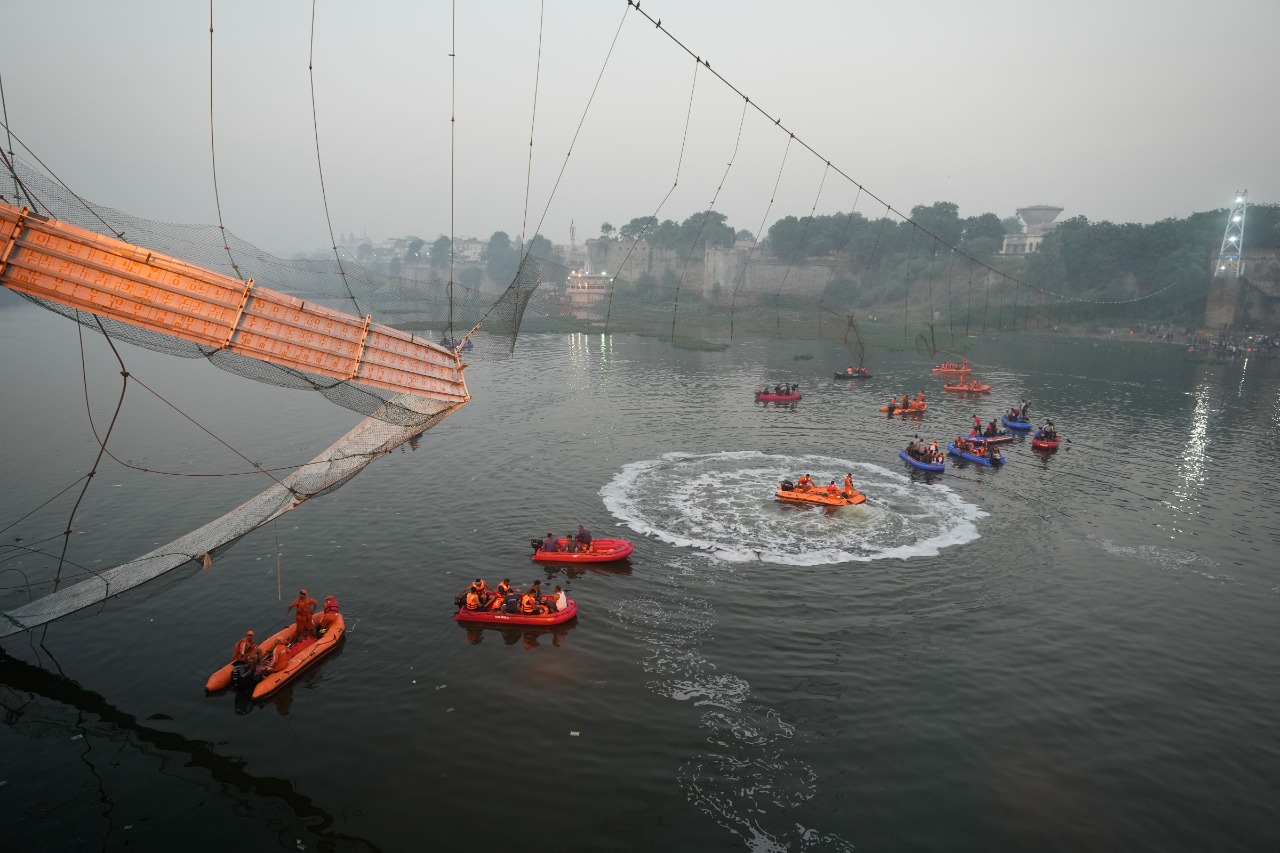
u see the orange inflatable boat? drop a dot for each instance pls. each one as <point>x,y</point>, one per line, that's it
<point>819,496</point>
<point>911,408</point>
<point>301,656</point>
<point>968,388</point>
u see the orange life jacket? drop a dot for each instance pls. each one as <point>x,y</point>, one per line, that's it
<point>279,658</point>
<point>473,600</point>
<point>528,604</point>
<point>244,650</point>
<point>503,589</point>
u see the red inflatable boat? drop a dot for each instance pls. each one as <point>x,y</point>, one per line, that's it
<point>497,617</point>
<point>600,551</point>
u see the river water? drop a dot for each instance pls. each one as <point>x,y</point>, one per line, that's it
<point>1077,651</point>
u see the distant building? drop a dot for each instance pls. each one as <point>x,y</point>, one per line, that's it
<point>1038,222</point>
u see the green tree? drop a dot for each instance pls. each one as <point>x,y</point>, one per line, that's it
<point>441,248</point>
<point>501,258</point>
<point>606,231</point>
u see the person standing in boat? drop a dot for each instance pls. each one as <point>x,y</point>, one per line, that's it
<point>977,424</point>
<point>848,485</point>
<point>583,538</point>
<point>305,606</point>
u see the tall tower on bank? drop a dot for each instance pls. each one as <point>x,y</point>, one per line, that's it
<point>1233,239</point>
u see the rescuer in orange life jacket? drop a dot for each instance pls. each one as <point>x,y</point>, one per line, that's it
<point>330,616</point>
<point>302,619</point>
<point>278,660</point>
<point>246,650</point>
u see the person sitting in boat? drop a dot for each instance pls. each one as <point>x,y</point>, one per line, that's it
<point>535,589</point>
<point>1048,432</point>
<point>920,397</point>
<point>246,650</point>
<point>529,605</point>
<point>849,370</point>
<point>777,390</point>
<point>550,543</point>
<point>328,616</point>
<point>805,483</point>
<point>992,429</point>
<point>562,600</point>
<point>472,600</point>
<point>833,491</point>
<point>570,544</point>
<point>552,601</point>
<point>979,450</point>
<point>302,618</point>
<point>276,661</point>
<point>583,538</point>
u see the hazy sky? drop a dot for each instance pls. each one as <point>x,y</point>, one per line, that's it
<point>1127,111</point>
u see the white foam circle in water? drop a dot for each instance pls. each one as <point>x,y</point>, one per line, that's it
<point>724,503</point>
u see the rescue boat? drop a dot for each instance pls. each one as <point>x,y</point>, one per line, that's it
<point>923,466</point>
<point>855,375</point>
<point>497,617</point>
<point>819,496</point>
<point>950,368</point>
<point>913,407</point>
<point>969,388</point>
<point>770,397</point>
<point>301,655</point>
<point>1039,442</point>
<point>1011,424</point>
<point>998,438</point>
<point>981,460</point>
<point>600,551</point>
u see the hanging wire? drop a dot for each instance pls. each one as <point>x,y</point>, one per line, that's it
<point>795,252</point>
<point>777,122</point>
<point>684,141</point>
<point>742,276</point>
<point>4,111</point>
<point>324,195</point>
<point>706,216</point>
<point>213,156</point>
<point>533,118</point>
<point>453,157</point>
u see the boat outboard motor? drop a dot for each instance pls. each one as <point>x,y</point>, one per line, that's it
<point>536,543</point>
<point>788,486</point>
<point>244,675</point>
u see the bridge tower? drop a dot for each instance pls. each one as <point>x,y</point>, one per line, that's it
<point>1233,239</point>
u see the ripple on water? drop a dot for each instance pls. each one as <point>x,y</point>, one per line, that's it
<point>723,503</point>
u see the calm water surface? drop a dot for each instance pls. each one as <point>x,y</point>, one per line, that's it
<point>1075,652</point>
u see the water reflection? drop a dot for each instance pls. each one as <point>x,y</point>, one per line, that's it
<point>1194,452</point>
<point>37,703</point>
<point>531,636</point>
